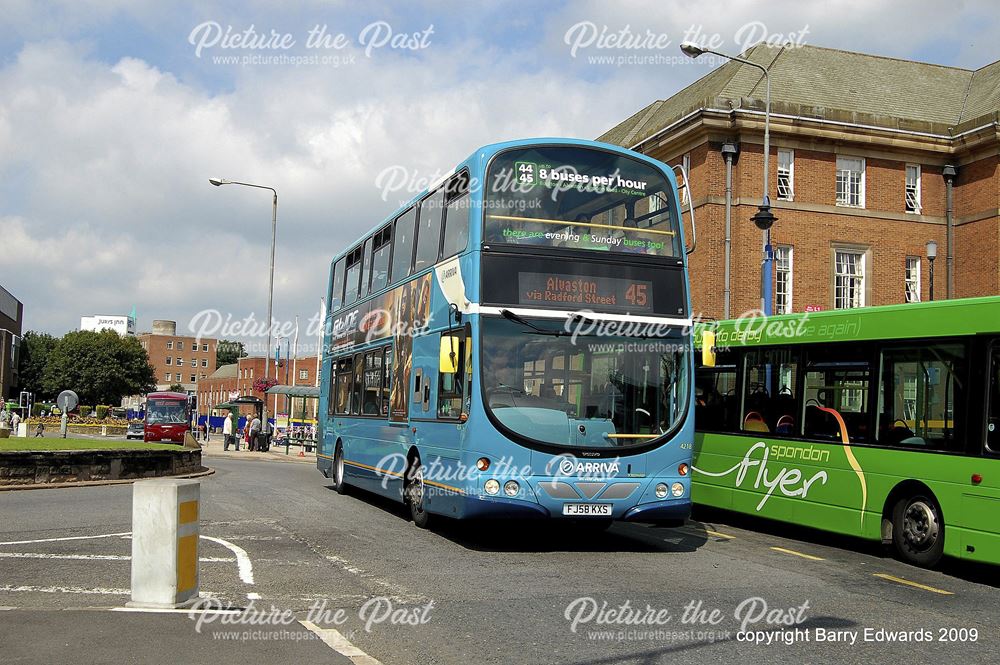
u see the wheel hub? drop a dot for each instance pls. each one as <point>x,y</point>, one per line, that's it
<point>920,525</point>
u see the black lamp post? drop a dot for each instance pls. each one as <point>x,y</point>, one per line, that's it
<point>931,255</point>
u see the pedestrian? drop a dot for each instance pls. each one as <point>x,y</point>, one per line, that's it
<point>15,420</point>
<point>227,433</point>
<point>39,429</point>
<point>255,434</point>
<point>246,432</point>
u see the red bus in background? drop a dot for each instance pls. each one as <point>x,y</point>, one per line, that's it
<point>168,417</point>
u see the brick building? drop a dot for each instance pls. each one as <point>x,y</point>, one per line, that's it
<point>863,150</point>
<point>238,379</point>
<point>178,358</point>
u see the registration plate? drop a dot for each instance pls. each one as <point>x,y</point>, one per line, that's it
<point>587,509</point>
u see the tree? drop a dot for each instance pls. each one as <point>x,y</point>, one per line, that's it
<point>101,367</point>
<point>35,350</point>
<point>176,388</point>
<point>227,352</point>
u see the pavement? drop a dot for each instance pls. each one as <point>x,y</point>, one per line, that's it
<point>214,448</point>
<point>362,584</point>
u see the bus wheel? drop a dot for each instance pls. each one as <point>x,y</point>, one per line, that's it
<point>415,494</point>
<point>338,471</point>
<point>918,530</point>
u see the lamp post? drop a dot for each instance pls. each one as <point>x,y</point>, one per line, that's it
<point>931,255</point>
<point>218,182</point>
<point>763,218</point>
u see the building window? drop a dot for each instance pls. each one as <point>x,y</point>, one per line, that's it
<point>913,188</point>
<point>204,347</point>
<point>180,345</point>
<point>193,378</point>
<point>204,362</point>
<point>912,279</point>
<point>170,344</point>
<point>179,362</point>
<point>786,175</point>
<point>194,362</point>
<point>303,374</point>
<point>167,377</point>
<point>851,182</point>
<point>783,279</point>
<point>849,279</point>
<point>169,360</point>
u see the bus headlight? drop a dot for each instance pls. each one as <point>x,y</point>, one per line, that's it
<point>491,486</point>
<point>511,488</point>
<point>677,489</point>
<point>661,490</point>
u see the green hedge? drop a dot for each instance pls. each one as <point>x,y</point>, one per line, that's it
<point>85,410</point>
<point>102,411</point>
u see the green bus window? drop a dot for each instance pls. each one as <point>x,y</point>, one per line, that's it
<point>993,413</point>
<point>380,259</point>
<point>836,378</point>
<point>921,392</point>
<point>343,379</point>
<point>402,245</point>
<point>337,295</point>
<point>429,233</point>
<point>450,385</point>
<point>716,395</point>
<point>770,382</point>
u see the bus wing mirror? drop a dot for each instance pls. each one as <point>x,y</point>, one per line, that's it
<point>708,348</point>
<point>448,358</point>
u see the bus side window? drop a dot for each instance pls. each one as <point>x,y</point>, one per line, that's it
<point>716,395</point>
<point>456,224</point>
<point>993,410</point>
<point>386,374</point>
<point>451,384</point>
<point>770,381</point>
<point>429,230</point>
<point>357,394</point>
<point>402,245</point>
<point>922,392</point>
<point>344,376</point>
<point>337,295</point>
<point>837,377</point>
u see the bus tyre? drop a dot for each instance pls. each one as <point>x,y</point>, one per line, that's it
<point>338,471</point>
<point>415,494</point>
<point>918,530</point>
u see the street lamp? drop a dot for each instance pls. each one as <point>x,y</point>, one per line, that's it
<point>931,255</point>
<point>218,182</point>
<point>763,218</point>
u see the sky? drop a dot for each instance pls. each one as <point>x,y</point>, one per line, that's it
<point>114,114</point>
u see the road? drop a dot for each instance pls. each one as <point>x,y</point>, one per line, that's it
<point>490,593</point>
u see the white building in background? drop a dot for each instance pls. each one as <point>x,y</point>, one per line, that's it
<point>123,325</point>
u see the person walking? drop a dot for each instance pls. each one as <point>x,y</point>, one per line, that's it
<point>15,420</point>
<point>227,433</point>
<point>255,433</point>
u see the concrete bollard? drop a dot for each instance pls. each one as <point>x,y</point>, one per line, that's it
<point>165,532</point>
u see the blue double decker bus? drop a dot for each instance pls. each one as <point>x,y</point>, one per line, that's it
<point>515,342</point>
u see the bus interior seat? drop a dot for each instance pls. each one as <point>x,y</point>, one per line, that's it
<point>786,425</point>
<point>819,424</point>
<point>896,433</point>
<point>754,422</point>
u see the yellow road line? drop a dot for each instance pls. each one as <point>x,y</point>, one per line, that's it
<point>717,534</point>
<point>915,585</point>
<point>800,554</point>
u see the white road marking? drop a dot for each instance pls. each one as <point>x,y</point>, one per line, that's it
<point>242,558</point>
<point>59,540</point>
<point>67,589</point>
<point>150,610</point>
<point>96,557</point>
<point>336,641</point>
<point>4,607</point>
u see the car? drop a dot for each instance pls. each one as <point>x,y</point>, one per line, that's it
<point>136,431</point>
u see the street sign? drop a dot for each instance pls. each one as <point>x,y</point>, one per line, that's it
<point>67,401</point>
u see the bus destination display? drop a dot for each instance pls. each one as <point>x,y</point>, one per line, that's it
<point>560,290</point>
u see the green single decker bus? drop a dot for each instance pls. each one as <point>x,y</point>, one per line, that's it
<point>880,422</point>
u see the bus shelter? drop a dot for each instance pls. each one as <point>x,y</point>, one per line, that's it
<point>299,429</point>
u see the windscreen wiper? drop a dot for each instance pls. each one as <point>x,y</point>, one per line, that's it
<point>511,316</point>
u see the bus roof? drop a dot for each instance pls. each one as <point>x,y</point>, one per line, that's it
<point>942,318</point>
<point>483,155</point>
<point>167,395</point>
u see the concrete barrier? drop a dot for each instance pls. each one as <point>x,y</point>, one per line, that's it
<point>165,531</point>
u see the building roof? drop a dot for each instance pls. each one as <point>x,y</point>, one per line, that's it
<point>829,83</point>
<point>224,372</point>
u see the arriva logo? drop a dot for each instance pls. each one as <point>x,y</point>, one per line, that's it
<point>569,466</point>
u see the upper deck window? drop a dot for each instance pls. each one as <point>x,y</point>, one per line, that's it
<point>580,198</point>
